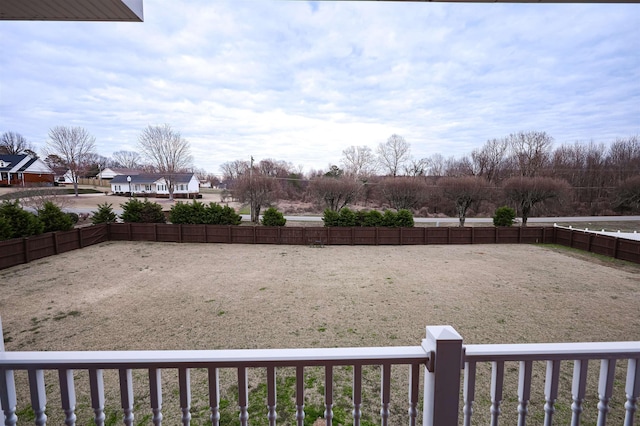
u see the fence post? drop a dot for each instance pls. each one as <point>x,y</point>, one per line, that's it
<point>27,257</point>
<point>442,376</point>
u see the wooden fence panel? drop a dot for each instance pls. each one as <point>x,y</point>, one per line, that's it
<point>243,234</point>
<point>460,235</point>
<point>389,236</point>
<point>484,235</point>
<point>339,236</point>
<point>12,253</point>
<point>604,245</point>
<point>218,234</point>
<point>24,250</point>
<point>194,233</point>
<point>628,250</point>
<point>267,235</point>
<point>412,236</point>
<point>40,246</point>
<point>564,236</point>
<point>119,231</point>
<point>364,236</point>
<point>316,235</point>
<point>94,234</point>
<point>437,235</point>
<point>68,240</point>
<point>166,233</point>
<point>292,235</point>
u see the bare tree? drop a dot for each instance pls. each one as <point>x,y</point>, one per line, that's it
<point>232,170</point>
<point>628,195</point>
<point>456,167</point>
<point>127,159</point>
<point>12,143</point>
<point>74,146</point>
<point>464,191</point>
<point>435,165</point>
<point>403,192</point>
<point>530,151</point>
<point>257,190</point>
<point>529,191</point>
<point>359,161</point>
<point>393,154</point>
<point>416,167</point>
<point>488,161</point>
<point>334,192</point>
<point>166,150</point>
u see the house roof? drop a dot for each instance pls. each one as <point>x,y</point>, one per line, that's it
<point>18,163</point>
<point>72,10</point>
<point>148,178</point>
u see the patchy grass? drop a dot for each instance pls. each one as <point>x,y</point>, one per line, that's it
<point>215,296</point>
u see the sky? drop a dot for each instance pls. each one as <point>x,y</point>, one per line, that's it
<point>301,81</point>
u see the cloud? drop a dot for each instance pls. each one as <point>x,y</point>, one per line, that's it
<point>301,81</point>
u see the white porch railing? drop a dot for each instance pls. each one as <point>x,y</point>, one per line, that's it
<point>442,354</point>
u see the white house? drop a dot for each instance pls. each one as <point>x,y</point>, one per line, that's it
<point>185,185</point>
<point>111,172</point>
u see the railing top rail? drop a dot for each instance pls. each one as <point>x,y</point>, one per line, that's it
<point>213,358</point>
<point>553,351</point>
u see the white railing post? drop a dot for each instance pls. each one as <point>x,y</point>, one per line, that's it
<point>442,376</point>
<point>1,350</point>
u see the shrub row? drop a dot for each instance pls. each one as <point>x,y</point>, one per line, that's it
<point>347,217</point>
<point>15,222</point>
<point>197,213</point>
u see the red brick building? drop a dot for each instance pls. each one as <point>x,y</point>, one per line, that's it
<point>24,170</point>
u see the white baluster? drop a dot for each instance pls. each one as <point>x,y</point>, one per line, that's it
<point>605,389</point>
<point>214,396</point>
<point>385,393</point>
<point>578,389</point>
<point>300,395</point>
<point>357,394</point>
<point>8,398</point>
<point>38,396</point>
<point>497,383</point>
<point>96,383</point>
<point>524,391</point>
<point>632,389</point>
<point>243,396</point>
<point>155,390</point>
<point>414,389</point>
<point>68,396</point>
<point>184,383</point>
<point>328,395</point>
<point>126,395</point>
<point>551,391</point>
<point>271,396</point>
<point>469,391</point>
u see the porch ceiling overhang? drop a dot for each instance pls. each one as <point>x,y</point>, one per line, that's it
<point>72,10</point>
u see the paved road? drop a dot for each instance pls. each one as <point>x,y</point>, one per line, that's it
<point>489,220</point>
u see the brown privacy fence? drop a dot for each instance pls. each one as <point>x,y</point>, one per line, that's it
<point>23,250</point>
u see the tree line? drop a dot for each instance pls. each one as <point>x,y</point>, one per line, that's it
<point>523,170</point>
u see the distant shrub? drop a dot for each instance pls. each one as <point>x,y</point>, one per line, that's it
<point>75,217</point>
<point>272,217</point>
<point>504,216</point>
<point>137,211</point>
<point>5,229</point>
<point>104,214</point>
<point>372,218</point>
<point>347,217</point>
<point>21,223</point>
<point>404,218</point>
<point>215,214</point>
<point>196,213</point>
<point>330,217</point>
<point>53,218</point>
